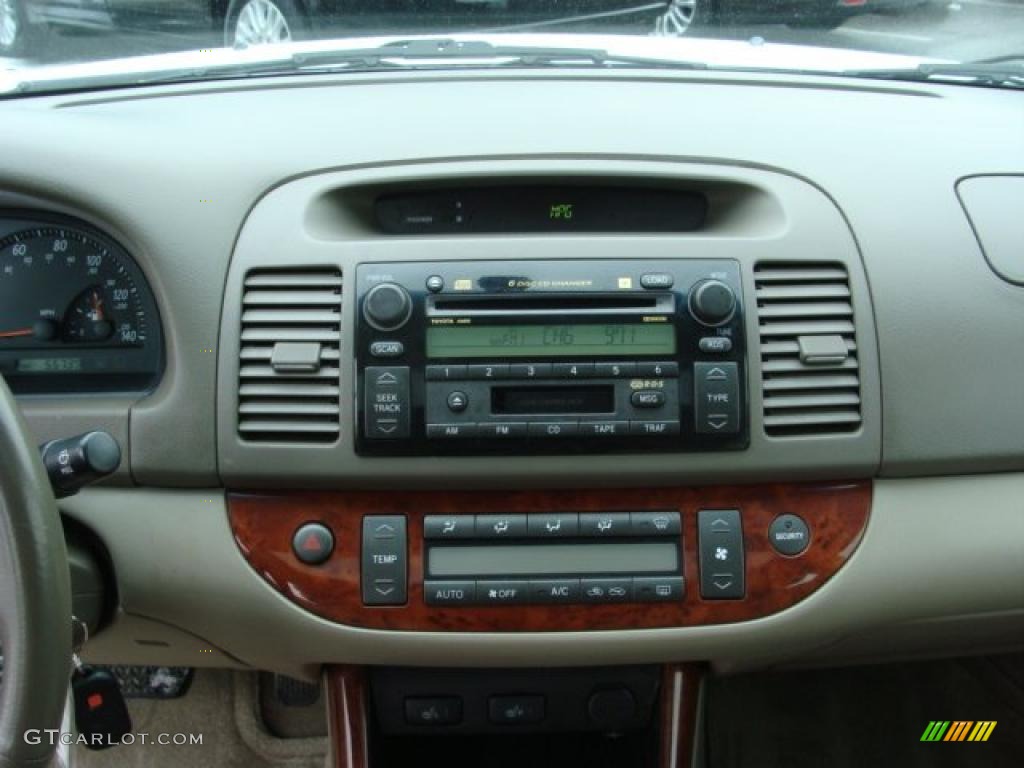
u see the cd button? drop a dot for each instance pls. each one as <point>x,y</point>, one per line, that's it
<point>573,370</point>
<point>609,524</point>
<point>606,590</point>
<point>503,429</point>
<point>512,592</point>
<point>553,428</point>
<point>500,526</point>
<point>667,369</point>
<point>435,283</point>
<point>451,430</point>
<point>614,370</point>
<point>604,428</point>
<point>496,371</point>
<point>446,372</point>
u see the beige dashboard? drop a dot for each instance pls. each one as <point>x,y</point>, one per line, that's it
<point>203,184</point>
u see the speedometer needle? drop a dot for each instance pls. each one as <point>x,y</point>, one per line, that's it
<point>19,332</point>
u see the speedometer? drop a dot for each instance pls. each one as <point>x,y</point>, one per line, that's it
<point>76,313</point>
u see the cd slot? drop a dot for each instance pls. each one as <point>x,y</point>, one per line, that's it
<point>545,303</point>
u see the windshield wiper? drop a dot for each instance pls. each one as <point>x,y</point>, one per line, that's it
<point>398,54</point>
<point>995,73</point>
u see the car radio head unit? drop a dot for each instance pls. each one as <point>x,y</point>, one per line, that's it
<point>550,356</point>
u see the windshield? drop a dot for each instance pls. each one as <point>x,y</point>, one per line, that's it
<point>39,37</point>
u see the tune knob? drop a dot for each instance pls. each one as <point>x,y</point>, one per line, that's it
<point>387,306</point>
<point>712,302</point>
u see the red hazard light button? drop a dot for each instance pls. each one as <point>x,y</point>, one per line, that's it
<point>313,543</point>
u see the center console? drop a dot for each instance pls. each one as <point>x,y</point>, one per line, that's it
<point>552,356</point>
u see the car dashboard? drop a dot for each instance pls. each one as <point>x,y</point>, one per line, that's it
<point>687,366</point>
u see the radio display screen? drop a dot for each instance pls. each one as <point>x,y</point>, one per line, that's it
<point>553,559</point>
<point>590,340</point>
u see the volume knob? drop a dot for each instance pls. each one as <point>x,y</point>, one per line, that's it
<point>712,302</point>
<point>387,306</point>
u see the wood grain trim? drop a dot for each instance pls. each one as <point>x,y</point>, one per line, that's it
<point>347,701</point>
<point>680,693</point>
<point>263,526</point>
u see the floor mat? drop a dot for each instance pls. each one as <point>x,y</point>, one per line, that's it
<point>222,707</point>
<point>867,716</point>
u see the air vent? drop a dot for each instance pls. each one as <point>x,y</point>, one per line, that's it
<point>290,350</point>
<point>809,367</point>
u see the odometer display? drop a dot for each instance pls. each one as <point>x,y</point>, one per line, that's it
<point>77,313</point>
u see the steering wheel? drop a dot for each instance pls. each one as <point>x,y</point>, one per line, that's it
<point>35,598</point>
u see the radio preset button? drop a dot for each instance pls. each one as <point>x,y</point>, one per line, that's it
<point>657,589</point>
<point>553,525</point>
<point>653,428</point>
<point>573,370</point>
<point>665,523</point>
<point>606,590</point>
<point>457,401</point>
<point>448,526</point>
<point>487,371</point>
<point>715,344</point>
<point>503,429</point>
<point>552,428</point>
<point>610,524</point>
<point>554,591</point>
<point>453,431</point>
<point>604,428</point>
<point>508,592</point>
<point>614,370</point>
<point>500,526</point>
<point>529,370</point>
<point>647,398</point>
<point>449,592</point>
<point>446,372</point>
<point>658,370</point>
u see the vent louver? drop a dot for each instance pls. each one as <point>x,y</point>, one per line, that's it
<point>289,360</point>
<point>809,365</point>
